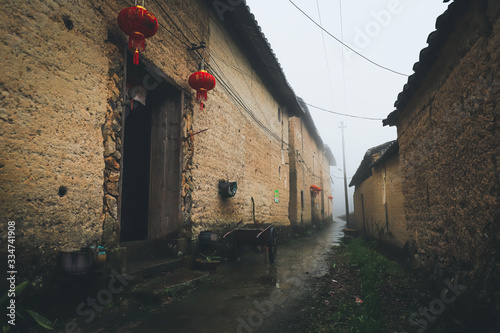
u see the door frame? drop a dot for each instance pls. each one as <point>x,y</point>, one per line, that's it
<point>155,79</point>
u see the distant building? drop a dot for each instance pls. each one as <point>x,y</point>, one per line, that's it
<point>378,199</point>
<point>310,162</point>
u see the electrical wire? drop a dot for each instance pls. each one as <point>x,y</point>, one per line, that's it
<point>342,57</point>
<point>341,42</point>
<point>229,86</point>
<point>343,114</point>
<point>233,94</point>
<point>326,55</point>
<point>170,18</point>
<point>164,27</point>
<point>250,76</point>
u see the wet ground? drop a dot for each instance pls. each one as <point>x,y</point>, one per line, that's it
<point>248,296</point>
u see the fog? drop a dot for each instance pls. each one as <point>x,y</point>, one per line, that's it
<point>326,74</point>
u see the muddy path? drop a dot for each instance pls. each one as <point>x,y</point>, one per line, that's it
<point>248,296</point>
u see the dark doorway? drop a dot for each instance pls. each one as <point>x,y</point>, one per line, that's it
<point>313,209</point>
<point>151,181</point>
<point>136,167</point>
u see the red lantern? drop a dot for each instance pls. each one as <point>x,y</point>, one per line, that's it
<point>331,198</point>
<point>138,24</point>
<point>202,82</point>
<point>315,189</point>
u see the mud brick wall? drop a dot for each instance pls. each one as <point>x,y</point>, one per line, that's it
<point>60,119</point>
<point>449,136</point>
<point>236,147</point>
<point>54,88</point>
<point>372,217</point>
<point>61,126</point>
<point>326,185</point>
<point>309,166</point>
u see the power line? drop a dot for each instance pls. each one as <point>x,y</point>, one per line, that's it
<point>342,54</point>
<point>326,55</point>
<point>232,89</point>
<point>250,76</point>
<point>175,24</point>
<point>342,114</point>
<point>233,94</point>
<point>341,42</point>
<point>221,78</point>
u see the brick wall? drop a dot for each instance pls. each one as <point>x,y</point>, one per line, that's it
<point>309,166</point>
<point>238,145</point>
<point>55,90</point>
<point>450,148</point>
<point>61,126</point>
<point>378,204</point>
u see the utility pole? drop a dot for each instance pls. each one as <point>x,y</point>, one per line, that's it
<point>345,176</point>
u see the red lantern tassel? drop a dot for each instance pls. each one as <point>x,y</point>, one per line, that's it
<point>202,96</point>
<point>136,57</point>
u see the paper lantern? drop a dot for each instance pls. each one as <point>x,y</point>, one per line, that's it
<point>202,82</point>
<point>315,188</point>
<point>138,24</point>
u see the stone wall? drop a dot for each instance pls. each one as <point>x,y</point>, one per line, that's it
<point>450,152</point>
<point>378,204</point>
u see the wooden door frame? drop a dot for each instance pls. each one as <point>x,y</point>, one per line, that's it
<point>157,76</point>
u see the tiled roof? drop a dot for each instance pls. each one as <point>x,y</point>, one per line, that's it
<point>373,157</point>
<point>428,55</point>
<point>241,23</point>
<point>247,32</point>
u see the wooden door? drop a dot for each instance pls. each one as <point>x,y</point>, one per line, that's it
<point>165,179</point>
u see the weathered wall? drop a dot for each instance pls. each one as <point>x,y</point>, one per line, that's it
<point>378,204</point>
<point>55,88</point>
<point>61,126</point>
<point>309,166</point>
<point>60,117</point>
<point>236,147</point>
<point>450,152</point>
<point>327,208</point>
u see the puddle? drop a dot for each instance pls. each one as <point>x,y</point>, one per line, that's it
<point>244,289</point>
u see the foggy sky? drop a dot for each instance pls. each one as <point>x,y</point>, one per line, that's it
<point>388,32</point>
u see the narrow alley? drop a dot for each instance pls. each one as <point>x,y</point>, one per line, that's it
<point>136,135</point>
<point>248,296</point>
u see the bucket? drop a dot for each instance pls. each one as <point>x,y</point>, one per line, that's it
<point>207,238</point>
<point>76,263</point>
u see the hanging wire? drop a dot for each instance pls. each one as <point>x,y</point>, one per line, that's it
<point>326,55</point>
<point>341,42</point>
<point>342,56</point>
<point>342,114</point>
